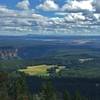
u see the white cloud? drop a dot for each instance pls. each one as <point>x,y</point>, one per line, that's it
<point>97,16</point>
<point>74,5</point>
<point>75,17</point>
<point>16,29</point>
<point>23,5</point>
<point>38,16</point>
<point>48,5</point>
<point>61,13</point>
<point>57,20</point>
<point>4,11</point>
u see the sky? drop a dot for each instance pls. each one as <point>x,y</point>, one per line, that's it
<point>50,17</point>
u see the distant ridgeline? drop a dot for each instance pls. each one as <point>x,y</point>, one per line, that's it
<point>8,52</point>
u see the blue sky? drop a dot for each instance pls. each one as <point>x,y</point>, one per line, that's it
<point>50,17</point>
<point>33,3</point>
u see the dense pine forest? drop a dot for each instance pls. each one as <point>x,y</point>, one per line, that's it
<point>16,89</point>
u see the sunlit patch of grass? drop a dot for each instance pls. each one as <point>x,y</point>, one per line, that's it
<point>36,70</point>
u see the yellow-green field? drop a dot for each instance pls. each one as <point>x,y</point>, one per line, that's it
<point>40,70</point>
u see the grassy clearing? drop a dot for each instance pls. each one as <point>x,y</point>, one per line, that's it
<point>40,70</point>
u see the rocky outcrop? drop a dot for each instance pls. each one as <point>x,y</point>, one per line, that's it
<point>8,53</point>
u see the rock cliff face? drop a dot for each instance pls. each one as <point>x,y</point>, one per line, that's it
<point>6,53</point>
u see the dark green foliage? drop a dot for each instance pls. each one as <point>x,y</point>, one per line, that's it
<point>21,89</point>
<point>12,89</point>
<point>48,92</point>
<point>17,89</point>
<point>77,96</point>
<point>3,86</point>
<point>66,95</point>
<point>9,65</point>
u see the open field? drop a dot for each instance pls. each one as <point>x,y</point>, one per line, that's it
<point>42,70</point>
<point>35,70</point>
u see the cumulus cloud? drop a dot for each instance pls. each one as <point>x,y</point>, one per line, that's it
<point>76,6</point>
<point>4,11</point>
<point>74,17</point>
<point>24,4</point>
<point>97,16</point>
<point>48,5</point>
<point>14,20</point>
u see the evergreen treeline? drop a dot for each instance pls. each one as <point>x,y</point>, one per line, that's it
<point>16,89</point>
